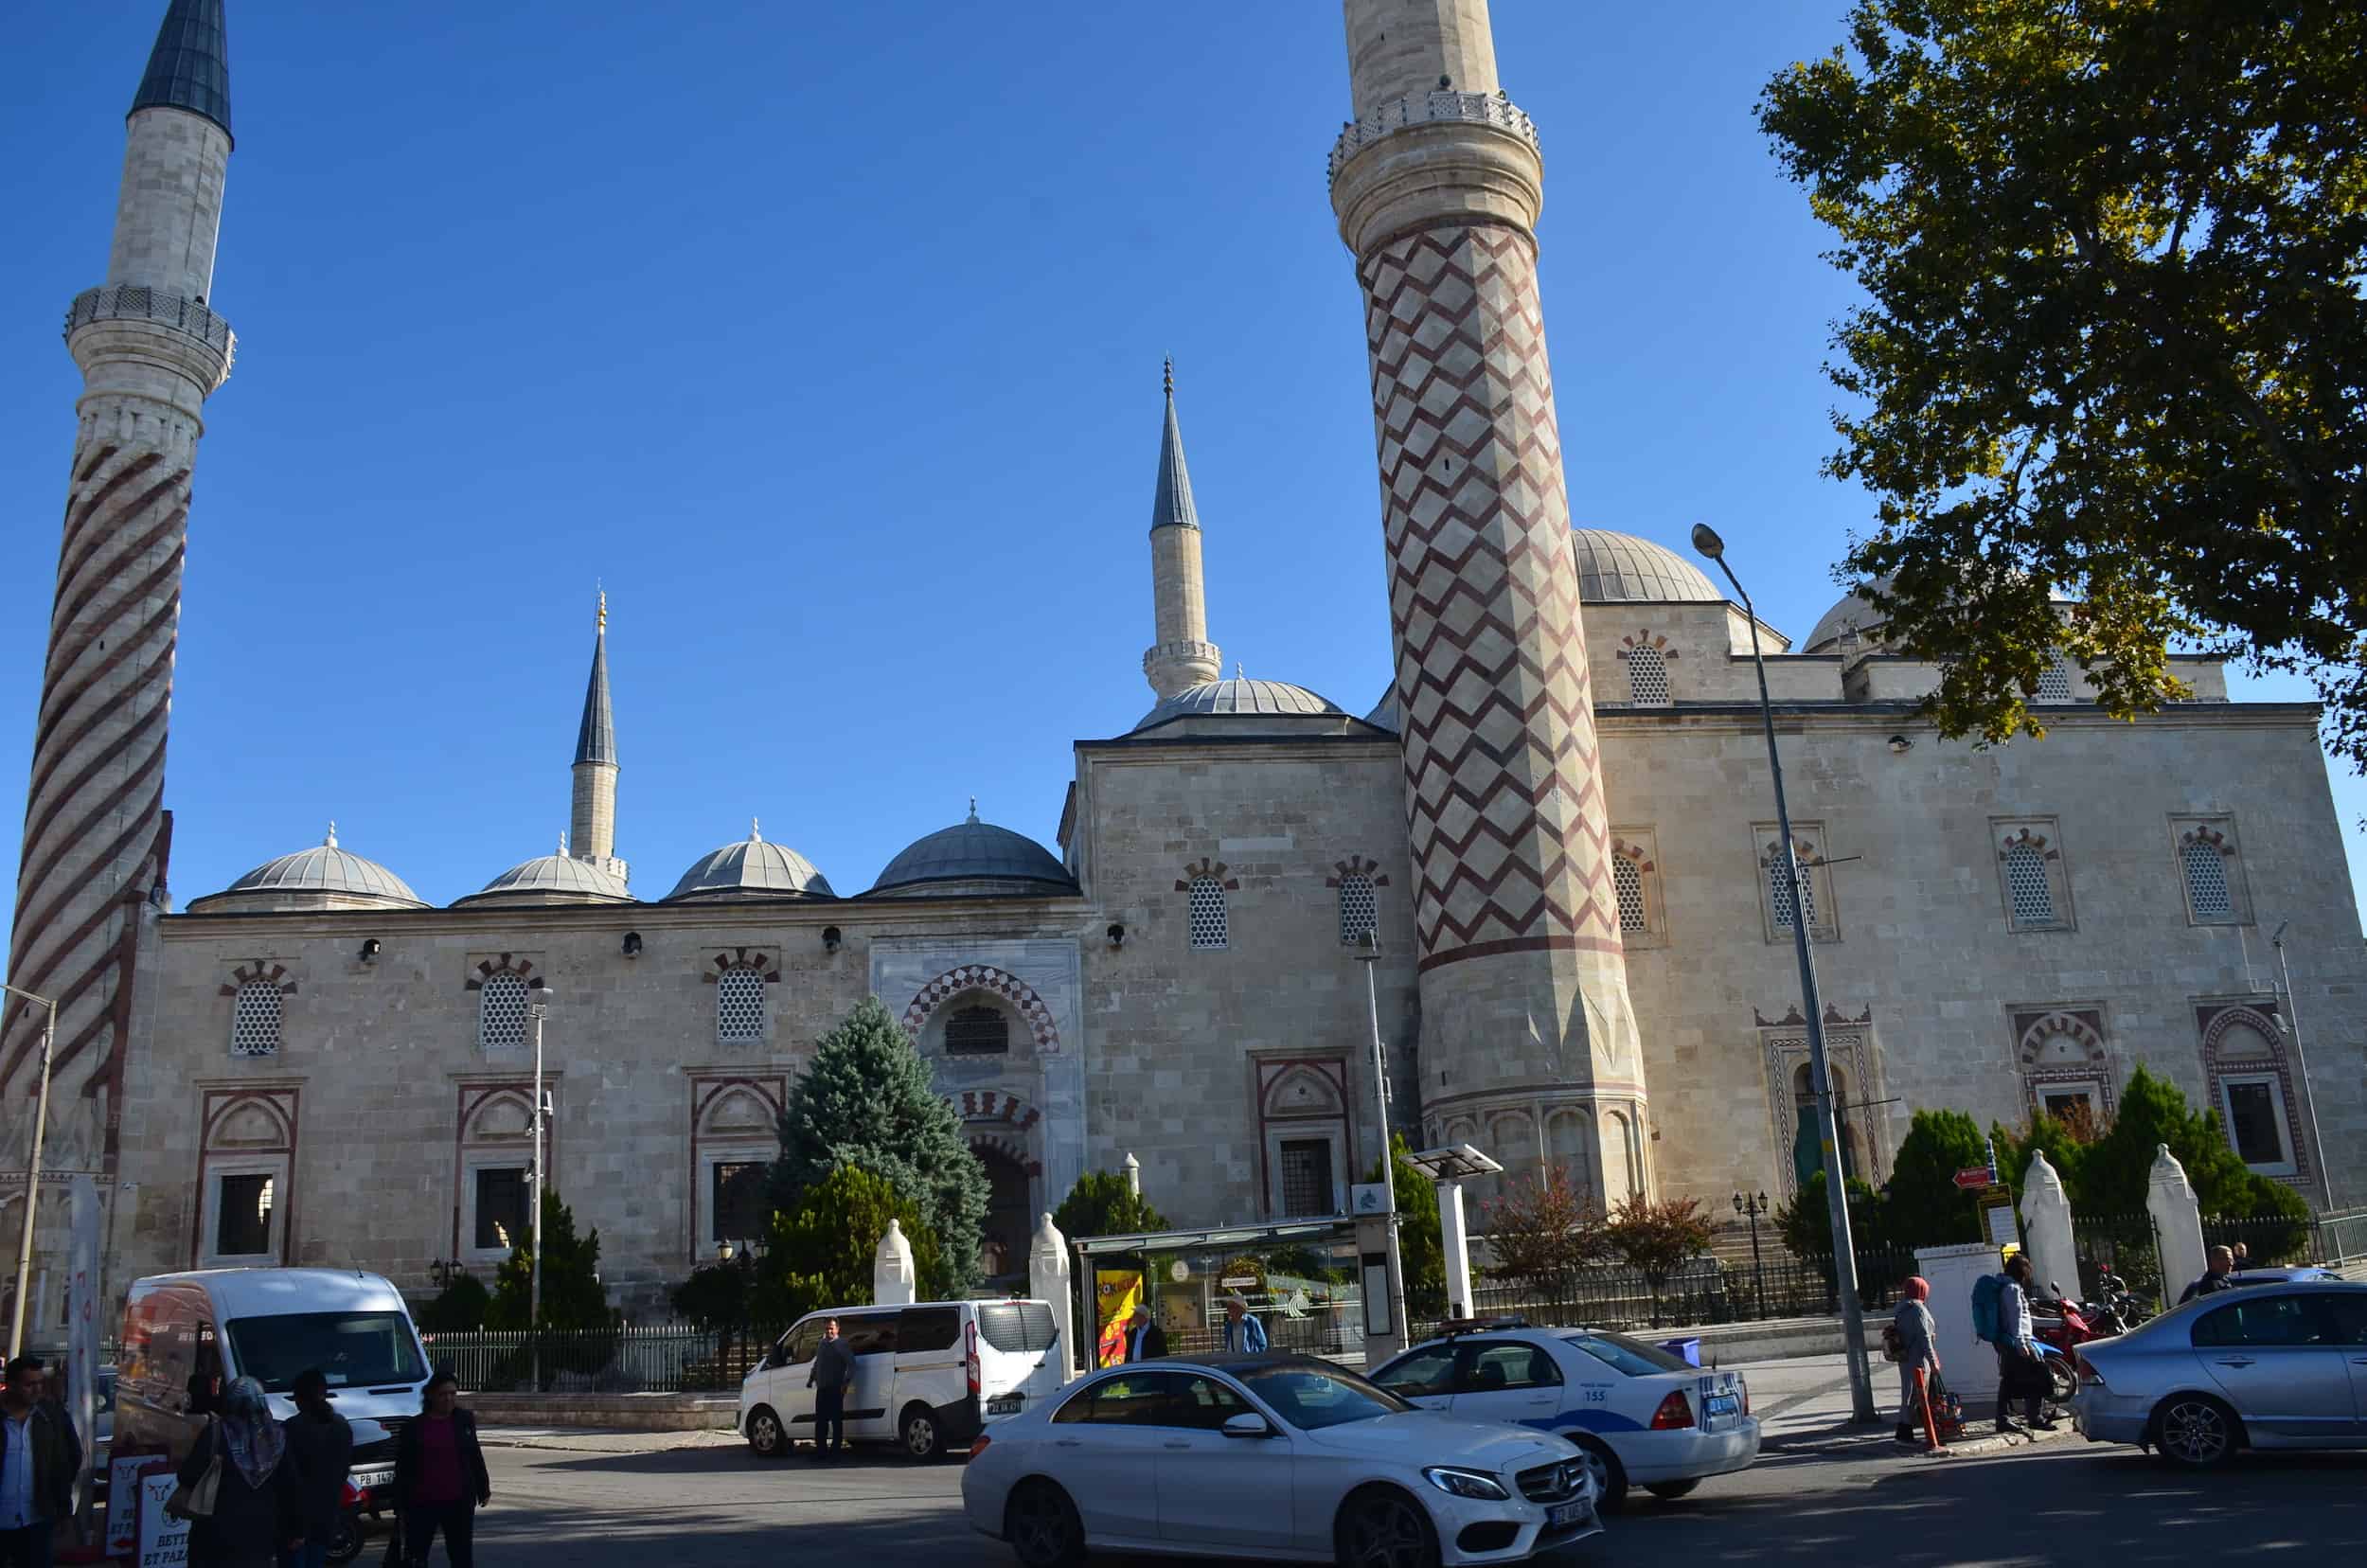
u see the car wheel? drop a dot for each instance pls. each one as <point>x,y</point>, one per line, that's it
<point>1671,1490</point>
<point>924,1439</point>
<point>766,1440</point>
<point>1381,1527</point>
<point>344,1539</point>
<point>2195,1431</point>
<point>1611,1477</point>
<point>1042,1527</point>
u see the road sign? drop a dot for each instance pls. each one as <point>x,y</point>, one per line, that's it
<point>1973,1177</point>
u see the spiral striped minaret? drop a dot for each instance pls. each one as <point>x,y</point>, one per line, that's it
<point>150,350</point>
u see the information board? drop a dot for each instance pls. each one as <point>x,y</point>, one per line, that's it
<point>124,1474</point>
<point>164,1542</point>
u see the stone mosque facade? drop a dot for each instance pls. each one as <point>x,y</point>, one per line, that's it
<point>1556,821</point>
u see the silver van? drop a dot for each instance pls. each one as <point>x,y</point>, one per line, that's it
<point>187,1335</point>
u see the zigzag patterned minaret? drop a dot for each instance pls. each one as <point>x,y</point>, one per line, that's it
<point>151,351</point>
<point>1437,183</point>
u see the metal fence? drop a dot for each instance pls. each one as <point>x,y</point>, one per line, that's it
<point>668,1358</point>
<point>1706,1291</point>
<point>2342,1236</point>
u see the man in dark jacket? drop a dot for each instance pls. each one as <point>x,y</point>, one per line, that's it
<point>1146,1340</point>
<point>38,1462</point>
<point>833,1370</point>
<point>440,1479</point>
<point>321,1443</point>
<point>2219,1274</point>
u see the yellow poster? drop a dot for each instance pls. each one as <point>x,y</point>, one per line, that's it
<point>1116,1293</point>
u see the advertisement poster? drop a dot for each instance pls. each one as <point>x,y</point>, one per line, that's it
<point>126,1474</point>
<point>1116,1293</point>
<point>164,1542</point>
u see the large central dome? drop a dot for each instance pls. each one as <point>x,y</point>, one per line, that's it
<point>976,856</point>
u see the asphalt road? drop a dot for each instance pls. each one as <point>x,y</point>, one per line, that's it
<point>2063,1502</point>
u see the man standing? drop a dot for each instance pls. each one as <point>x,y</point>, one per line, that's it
<point>2020,1373</point>
<point>2218,1270</point>
<point>1146,1340</point>
<point>321,1443</point>
<point>38,1464</point>
<point>833,1370</point>
<point>1242,1332</point>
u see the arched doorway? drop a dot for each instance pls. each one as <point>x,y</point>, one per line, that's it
<point>1806,1157</point>
<point>1002,1244</point>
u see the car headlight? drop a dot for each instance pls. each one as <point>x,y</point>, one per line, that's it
<point>1465,1482</point>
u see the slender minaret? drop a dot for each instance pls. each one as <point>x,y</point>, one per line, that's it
<point>1437,183</point>
<point>151,351</point>
<point>1182,656</point>
<point>592,828</point>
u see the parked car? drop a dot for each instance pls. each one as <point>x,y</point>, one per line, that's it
<point>1272,1456</point>
<point>2269,1367</point>
<point>928,1377</point>
<point>1642,1417</point>
<point>2282,1274</point>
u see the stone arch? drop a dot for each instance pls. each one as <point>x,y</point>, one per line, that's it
<point>1304,1089</point>
<point>248,1122</point>
<point>259,971</point>
<point>738,1110</point>
<point>741,957</point>
<point>504,963</point>
<point>2034,1037</point>
<point>499,1115</point>
<point>964,978</point>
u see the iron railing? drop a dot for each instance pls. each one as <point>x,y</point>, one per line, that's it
<point>666,1358</point>
<point>1704,1290</point>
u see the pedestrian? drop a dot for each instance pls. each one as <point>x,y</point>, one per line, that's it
<point>1242,1332</point>
<point>1918,1350</point>
<point>38,1464</point>
<point>320,1443</point>
<point>2243,1256</point>
<point>1146,1340</point>
<point>833,1370</point>
<point>53,1400</point>
<point>2020,1370</point>
<point>255,1494</point>
<point>2218,1275</point>
<point>440,1480</point>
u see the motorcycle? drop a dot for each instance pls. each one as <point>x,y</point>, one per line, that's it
<point>2114,1310</point>
<point>2061,1327</point>
<point>353,1504</point>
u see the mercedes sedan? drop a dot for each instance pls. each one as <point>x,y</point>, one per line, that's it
<point>2269,1366</point>
<point>1270,1457</point>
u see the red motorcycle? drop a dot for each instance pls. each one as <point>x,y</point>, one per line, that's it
<point>2061,1326</point>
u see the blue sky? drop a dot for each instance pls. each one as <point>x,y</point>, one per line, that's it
<point>828,339</point>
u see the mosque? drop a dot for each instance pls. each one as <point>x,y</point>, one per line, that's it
<point>1555,823</point>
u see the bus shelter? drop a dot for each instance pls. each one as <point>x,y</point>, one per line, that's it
<point>1298,1278</point>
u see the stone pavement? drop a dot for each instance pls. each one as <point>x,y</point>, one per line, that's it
<point>602,1440</point>
<point>1803,1407</point>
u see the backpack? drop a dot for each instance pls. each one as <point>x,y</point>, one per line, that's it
<point>1985,1292</point>
<point>1893,1348</point>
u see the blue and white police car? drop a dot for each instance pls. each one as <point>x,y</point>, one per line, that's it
<point>1643,1416</point>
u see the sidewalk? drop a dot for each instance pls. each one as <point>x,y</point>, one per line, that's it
<point>1803,1407</point>
<point>597,1440</point>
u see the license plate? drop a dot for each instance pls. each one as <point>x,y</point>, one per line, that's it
<point>381,1476</point>
<point>1720,1404</point>
<point>1562,1514</point>
<point>1004,1407</point>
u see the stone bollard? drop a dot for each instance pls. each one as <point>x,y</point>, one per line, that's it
<point>1049,1279</point>
<point>891,1269</point>
<point>2046,1229</point>
<point>2178,1220</point>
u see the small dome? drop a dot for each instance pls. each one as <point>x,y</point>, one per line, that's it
<point>324,877</point>
<point>1856,612</point>
<point>551,879</point>
<point>1621,568</point>
<point>753,869</point>
<point>1240,695</point>
<point>975,852</point>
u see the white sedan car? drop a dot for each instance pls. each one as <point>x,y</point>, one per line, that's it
<point>1642,1416</point>
<point>1270,1457</point>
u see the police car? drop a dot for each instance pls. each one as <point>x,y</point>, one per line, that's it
<point>1642,1417</point>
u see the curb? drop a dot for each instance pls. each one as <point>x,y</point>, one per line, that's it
<point>1872,1444</point>
<point>592,1442</point>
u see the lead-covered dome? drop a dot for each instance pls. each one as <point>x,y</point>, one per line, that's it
<point>1855,615</point>
<point>558,878</point>
<point>974,857</point>
<point>1239,696</point>
<point>323,876</point>
<point>752,868</point>
<point>1618,568</point>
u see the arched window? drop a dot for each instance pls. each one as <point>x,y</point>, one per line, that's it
<point>501,1012</point>
<point>2206,882</point>
<point>1627,880</point>
<point>1207,913</point>
<point>1648,676</point>
<point>254,1019</point>
<point>1359,907</point>
<point>977,1031</point>
<point>1780,889</point>
<point>2055,683</point>
<point>2025,879</point>
<point>740,1004</point>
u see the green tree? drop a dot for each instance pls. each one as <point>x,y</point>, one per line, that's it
<point>1658,1238</point>
<point>1805,1222</point>
<point>2061,1141</point>
<point>1922,1206</point>
<point>2152,1112</point>
<point>716,1295</point>
<point>865,1099</point>
<point>1102,1205</point>
<point>821,1253</point>
<point>460,1307</point>
<point>2113,338</point>
<point>1420,1251</point>
<point>572,1296</point>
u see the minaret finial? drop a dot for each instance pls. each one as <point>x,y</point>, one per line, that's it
<point>331,842</point>
<point>755,834</point>
<point>562,845</point>
<point>973,808</point>
<point>1166,377</point>
<point>602,626</point>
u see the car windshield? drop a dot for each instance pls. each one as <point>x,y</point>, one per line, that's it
<point>1633,1356</point>
<point>352,1349</point>
<point>1312,1395</point>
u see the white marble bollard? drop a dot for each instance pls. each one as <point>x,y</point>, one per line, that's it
<point>1049,1279</point>
<point>2178,1220</point>
<point>2046,1229</point>
<point>891,1269</point>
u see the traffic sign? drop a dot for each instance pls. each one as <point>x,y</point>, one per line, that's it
<point>1973,1177</point>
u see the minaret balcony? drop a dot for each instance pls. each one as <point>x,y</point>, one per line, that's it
<point>135,302</point>
<point>1440,108</point>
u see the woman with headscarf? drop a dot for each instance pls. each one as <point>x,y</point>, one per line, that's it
<point>254,1501</point>
<point>1917,1351</point>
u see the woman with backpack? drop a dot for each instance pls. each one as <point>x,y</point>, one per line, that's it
<point>1913,1335</point>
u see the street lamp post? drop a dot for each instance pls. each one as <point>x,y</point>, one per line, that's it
<point>1746,1203</point>
<point>1369,955</point>
<point>32,1168</point>
<point>2309,1095</point>
<point>1836,1196</point>
<point>540,1009</point>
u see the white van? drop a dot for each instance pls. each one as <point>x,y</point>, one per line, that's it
<point>182,1331</point>
<point>928,1377</point>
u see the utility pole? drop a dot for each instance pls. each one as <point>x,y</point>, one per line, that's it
<point>1369,955</point>
<point>540,1009</point>
<point>2309,1094</point>
<point>32,1168</point>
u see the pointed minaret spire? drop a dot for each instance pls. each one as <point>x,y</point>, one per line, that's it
<point>593,824</point>
<point>1182,656</point>
<point>189,68</point>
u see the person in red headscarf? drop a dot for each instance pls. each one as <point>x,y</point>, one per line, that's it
<point>1918,1349</point>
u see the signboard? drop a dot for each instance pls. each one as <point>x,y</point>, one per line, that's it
<point>164,1542</point>
<point>1998,1223</point>
<point>1974,1177</point>
<point>125,1473</point>
<point>1370,1198</point>
<point>1116,1293</point>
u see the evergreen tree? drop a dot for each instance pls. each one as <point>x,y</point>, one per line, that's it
<point>1421,1251</point>
<point>2152,1112</point>
<point>821,1252</point>
<point>1922,1203</point>
<point>1102,1205</point>
<point>572,1296</point>
<point>865,1099</point>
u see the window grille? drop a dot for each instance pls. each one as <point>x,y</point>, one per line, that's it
<point>2206,882</point>
<point>1627,880</point>
<point>1307,1177</point>
<point>254,1019</point>
<point>501,1012</point>
<point>740,1004</point>
<point>2026,880</point>
<point>1359,908</point>
<point>1780,890</point>
<point>2055,683</point>
<point>1647,677</point>
<point>1207,913</point>
<point>977,1030</point>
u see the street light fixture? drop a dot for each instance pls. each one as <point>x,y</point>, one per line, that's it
<point>1835,1194</point>
<point>1368,953</point>
<point>1746,1203</point>
<point>32,1168</point>
<point>2292,1020</point>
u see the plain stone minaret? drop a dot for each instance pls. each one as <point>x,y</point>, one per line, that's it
<point>1526,1027</point>
<point>151,348</point>
<point>1182,656</point>
<point>592,823</point>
